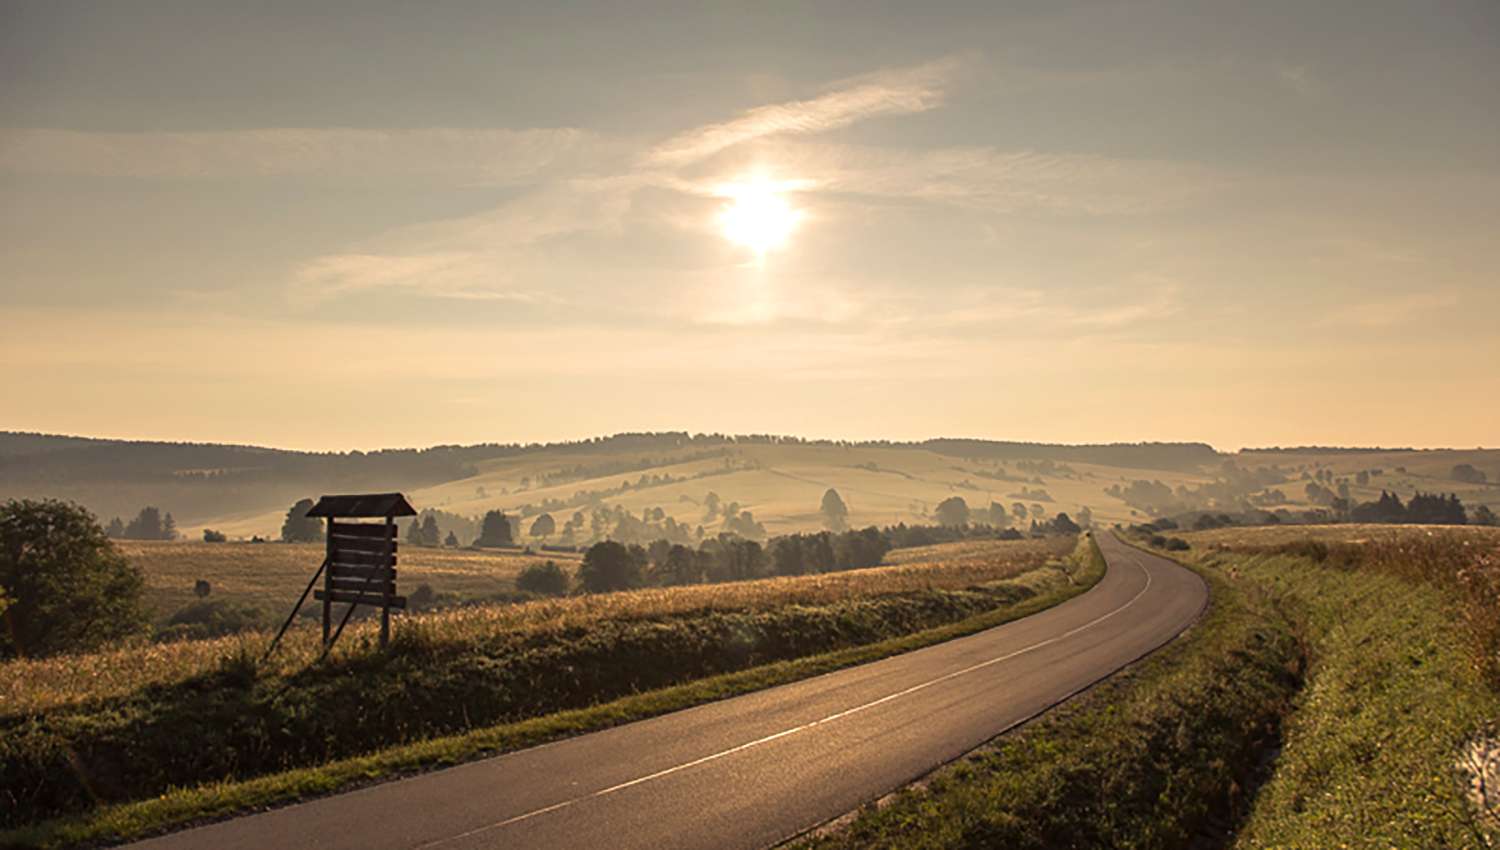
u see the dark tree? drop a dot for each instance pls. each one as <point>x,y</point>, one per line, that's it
<point>431,534</point>
<point>145,526</point>
<point>543,579</point>
<point>1063,524</point>
<point>451,541</point>
<point>168,527</point>
<point>835,512</point>
<point>211,536</point>
<point>495,530</point>
<point>116,529</point>
<point>1482,515</point>
<point>62,584</point>
<point>786,555</point>
<point>952,511</point>
<point>299,527</point>
<point>544,526</point>
<point>608,566</point>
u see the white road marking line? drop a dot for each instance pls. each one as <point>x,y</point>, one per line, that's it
<point>794,730</point>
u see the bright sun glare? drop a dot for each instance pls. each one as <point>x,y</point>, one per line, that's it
<point>758,215</point>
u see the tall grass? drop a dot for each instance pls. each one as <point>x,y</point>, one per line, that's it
<point>1463,563</point>
<point>31,685</point>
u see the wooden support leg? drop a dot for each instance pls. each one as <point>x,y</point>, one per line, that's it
<point>328,584</point>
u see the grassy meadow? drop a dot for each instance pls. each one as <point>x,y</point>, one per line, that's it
<point>269,576</point>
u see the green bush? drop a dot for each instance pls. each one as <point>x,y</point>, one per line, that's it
<point>546,579</point>
<point>211,619</point>
<point>65,586</point>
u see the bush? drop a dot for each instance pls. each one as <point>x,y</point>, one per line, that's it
<point>608,566</point>
<point>212,619</point>
<point>211,536</point>
<point>65,585</point>
<point>544,579</point>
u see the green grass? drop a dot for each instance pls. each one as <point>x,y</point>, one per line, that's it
<point>1392,699</point>
<point>1149,758</point>
<point>801,635</point>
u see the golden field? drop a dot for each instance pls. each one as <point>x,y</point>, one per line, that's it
<point>271,575</point>
<point>31,685</point>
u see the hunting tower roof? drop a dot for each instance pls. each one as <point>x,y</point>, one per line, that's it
<point>363,505</point>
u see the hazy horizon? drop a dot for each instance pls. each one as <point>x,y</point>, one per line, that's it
<point>375,225</point>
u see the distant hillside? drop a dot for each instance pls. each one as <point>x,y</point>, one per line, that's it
<point>777,481</point>
<point>1177,456</point>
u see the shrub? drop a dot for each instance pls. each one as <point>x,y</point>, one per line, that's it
<point>608,566</point>
<point>544,579</point>
<point>65,585</point>
<point>211,536</point>
<point>208,619</point>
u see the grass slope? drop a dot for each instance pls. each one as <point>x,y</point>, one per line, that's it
<point>687,658</point>
<point>1397,687</point>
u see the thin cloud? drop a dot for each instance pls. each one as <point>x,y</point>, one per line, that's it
<point>1001,181</point>
<point>894,92</point>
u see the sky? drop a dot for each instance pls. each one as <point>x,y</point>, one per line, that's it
<point>362,225</point>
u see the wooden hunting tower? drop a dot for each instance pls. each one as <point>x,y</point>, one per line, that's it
<point>360,567</point>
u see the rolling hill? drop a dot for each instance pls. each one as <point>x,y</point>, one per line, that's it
<point>245,490</point>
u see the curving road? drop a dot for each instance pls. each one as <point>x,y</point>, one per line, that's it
<point>751,771</point>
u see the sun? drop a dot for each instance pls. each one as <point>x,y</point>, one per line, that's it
<point>758,215</point>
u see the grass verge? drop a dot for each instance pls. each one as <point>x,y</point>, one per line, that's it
<point>1393,698</point>
<point>1151,757</point>
<point>177,807</point>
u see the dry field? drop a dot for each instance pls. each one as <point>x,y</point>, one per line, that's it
<point>1278,535</point>
<point>29,685</point>
<point>271,575</point>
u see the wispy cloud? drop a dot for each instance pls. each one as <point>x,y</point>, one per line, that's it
<point>893,92</point>
<point>1000,181</point>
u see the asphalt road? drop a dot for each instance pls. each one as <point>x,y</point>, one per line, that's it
<point>751,771</point>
